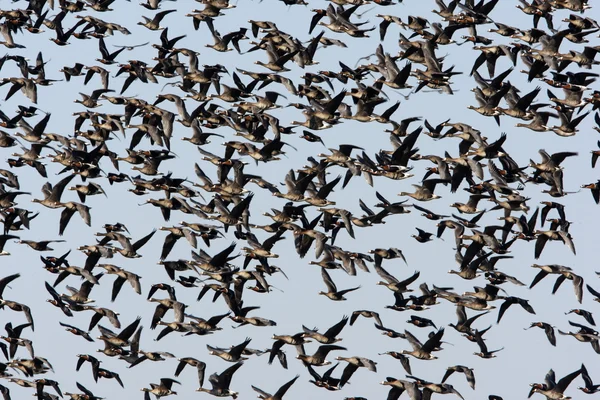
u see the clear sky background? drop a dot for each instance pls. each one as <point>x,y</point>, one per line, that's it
<point>527,355</point>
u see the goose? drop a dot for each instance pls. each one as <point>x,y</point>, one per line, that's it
<point>548,329</point>
<point>332,292</point>
<point>280,392</point>
<point>423,351</point>
<point>318,358</point>
<point>220,382</point>
<point>554,390</point>
<point>424,192</point>
<point>154,23</point>
<point>232,355</point>
<point>469,375</point>
<point>161,390</point>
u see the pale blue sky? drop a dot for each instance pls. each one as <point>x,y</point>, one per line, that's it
<point>527,355</point>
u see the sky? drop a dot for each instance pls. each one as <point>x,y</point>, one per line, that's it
<point>527,355</point>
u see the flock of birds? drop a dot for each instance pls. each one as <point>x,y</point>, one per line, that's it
<point>121,144</point>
